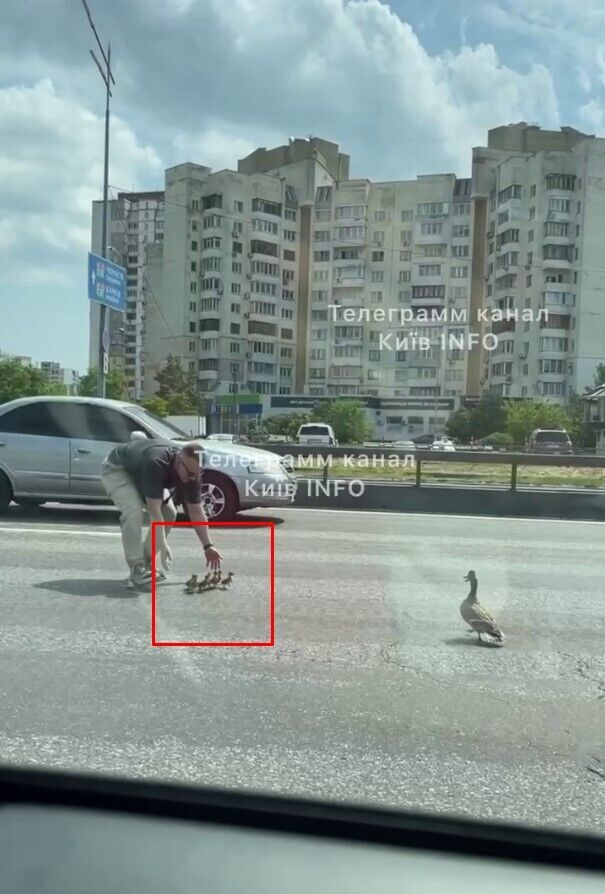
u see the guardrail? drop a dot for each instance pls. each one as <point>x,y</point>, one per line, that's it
<point>418,459</point>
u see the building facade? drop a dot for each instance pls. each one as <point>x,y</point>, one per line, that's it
<point>136,221</point>
<point>544,215</point>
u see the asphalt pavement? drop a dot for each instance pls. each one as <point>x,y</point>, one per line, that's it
<point>373,692</point>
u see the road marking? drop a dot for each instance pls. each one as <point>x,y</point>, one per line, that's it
<point>49,530</point>
<point>391,513</point>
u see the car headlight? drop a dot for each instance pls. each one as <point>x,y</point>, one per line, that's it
<point>264,466</point>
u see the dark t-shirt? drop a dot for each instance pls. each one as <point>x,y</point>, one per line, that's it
<point>150,464</point>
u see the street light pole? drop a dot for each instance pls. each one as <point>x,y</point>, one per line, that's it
<point>108,80</point>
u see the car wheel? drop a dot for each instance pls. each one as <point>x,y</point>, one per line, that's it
<point>219,497</point>
<point>6,493</point>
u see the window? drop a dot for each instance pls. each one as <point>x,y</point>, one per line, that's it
<point>553,344</point>
<point>428,292</point>
<point>287,294</point>
<point>405,276</point>
<point>236,247</point>
<point>404,295</point>
<point>354,212</point>
<point>287,313</point>
<point>209,325</point>
<point>290,235</point>
<point>319,334</point>
<point>238,227</point>
<point>321,255</point>
<point>528,280</point>
<point>212,221</point>
<point>192,327</point>
<point>377,276</point>
<point>559,205</point>
<point>406,237</point>
<point>461,229</point>
<point>511,192</point>
<point>552,366</point>
<point>193,266</point>
<point>210,242</point>
<point>193,245</point>
<point>317,315</point>
<point>234,328</point>
<point>321,235</point>
<point>321,275</point>
<point>376,297</point>
<point>273,208</point>
<point>557,252</point>
<point>459,272</point>
<point>532,190</point>
<point>192,306</point>
<point>429,270</point>
<point>259,247</point>
<point>503,216</point>
<point>460,251</point>
<point>431,229</point>
<point>378,237</point>
<point>406,215</point>
<point>236,267</point>
<point>264,226</point>
<point>374,356</point>
<point>39,418</point>
<point>238,207</point>
<point>380,215</point>
<point>530,236</point>
<point>462,210</point>
<point>319,294</point>
<point>378,256</point>
<point>315,353</point>
<point>405,256</point>
<point>431,209</point>
<point>290,214</point>
<point>511,235</point>
<point>560,181</point>
<point>264,288</point>
<point>213,201</point>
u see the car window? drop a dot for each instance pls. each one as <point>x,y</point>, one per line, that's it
<point>558,437</point>
<point>314,430</point>
<point>89,422</point>
<point>32,419</point>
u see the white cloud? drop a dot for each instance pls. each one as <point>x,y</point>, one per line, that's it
<point>593,116</point>
<point>51,170</point>
<point>222,144</point>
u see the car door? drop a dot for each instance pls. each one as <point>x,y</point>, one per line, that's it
<point>95,432</point>
<point>34,451</point>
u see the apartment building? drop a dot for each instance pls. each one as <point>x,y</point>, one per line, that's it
<point>56,374</point>
<point>136,221</point>
<point>390,272</point>
<point>540,206</point>
<point>233,268</point>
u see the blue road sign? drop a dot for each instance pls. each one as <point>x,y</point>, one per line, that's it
<point>106,282</point>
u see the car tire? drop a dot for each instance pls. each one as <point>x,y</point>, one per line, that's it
<point>219,497</point>
<point>6,493</point>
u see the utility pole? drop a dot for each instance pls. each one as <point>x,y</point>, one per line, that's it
<point>108,80</point>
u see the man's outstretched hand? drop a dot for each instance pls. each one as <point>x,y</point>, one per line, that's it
<point>213,558</point>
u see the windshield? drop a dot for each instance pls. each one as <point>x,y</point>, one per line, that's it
<point>357,246</point>
<point>555,437</point>
<point>163,427</point>
<point>314,430</point>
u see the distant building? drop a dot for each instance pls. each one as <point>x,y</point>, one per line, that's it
<point>538,250</point>
<point>23,360</point>
<point>56,374</point>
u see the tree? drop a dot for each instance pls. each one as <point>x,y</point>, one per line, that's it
<point>488,416</point>
<point>599,378</point>
<point>156,405</point>
<point>286,424</point>
<point>115,384</point>
<point>17,380</point>
<point>459,426</point>
<point>523,416</point>
<point>178,388</point>
<point>347,418</point>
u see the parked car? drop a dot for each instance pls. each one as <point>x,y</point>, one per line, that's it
<point>424,442</point>
<point>444,444</point>
<point>316,433</point>
<point>227,438</point>
<point>51,449</point>
<point>555,441</point>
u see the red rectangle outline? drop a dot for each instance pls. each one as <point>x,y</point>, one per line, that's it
<point>230,524</point>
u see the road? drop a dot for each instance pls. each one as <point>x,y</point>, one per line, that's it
<point>373,693</point>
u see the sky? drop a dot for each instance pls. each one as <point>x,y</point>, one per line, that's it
<point>406,88</point>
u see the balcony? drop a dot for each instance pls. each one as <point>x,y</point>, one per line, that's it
<point>500,326</point>
<point>556,321</point>
<point>349,276</point>
<point>345,372</point>
<point>341,237</point>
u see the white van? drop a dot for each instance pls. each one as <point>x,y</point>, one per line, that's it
<point>316,433</point>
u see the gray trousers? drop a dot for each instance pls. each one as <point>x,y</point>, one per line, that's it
<point>120,488</point>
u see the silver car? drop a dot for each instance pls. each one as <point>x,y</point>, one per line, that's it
<point>51,449</point>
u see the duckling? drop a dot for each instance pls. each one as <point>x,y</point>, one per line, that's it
<point>192,581</point>
<point>478,618</point>
<point>226,582</point>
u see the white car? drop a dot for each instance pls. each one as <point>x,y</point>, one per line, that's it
<point>444,444</point>
<point>319,433</point>
<point>51,449</point>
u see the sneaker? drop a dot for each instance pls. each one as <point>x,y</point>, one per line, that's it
<point>140,576</point>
